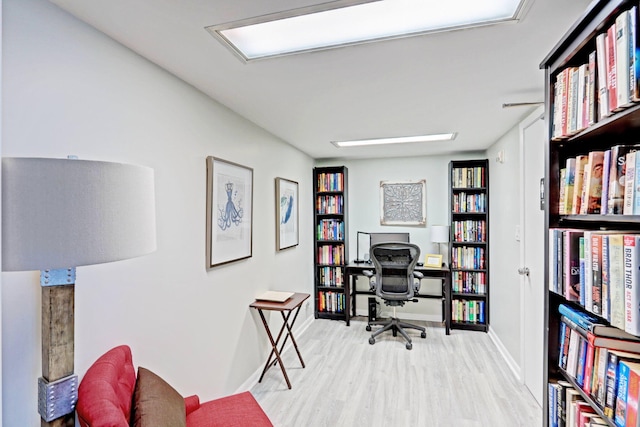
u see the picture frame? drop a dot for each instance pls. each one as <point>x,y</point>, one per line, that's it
<point>287,210</point>
<point>403,203</point>
<point>433,260</point>
<point>229,212</point>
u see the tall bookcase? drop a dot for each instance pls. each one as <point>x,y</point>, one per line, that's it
<point>590,293</point>
<point>330,237</point>
<point>469,255</point>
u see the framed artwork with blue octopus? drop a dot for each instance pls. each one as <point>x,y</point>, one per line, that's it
<point>229,212</point>
<point>286,213</point>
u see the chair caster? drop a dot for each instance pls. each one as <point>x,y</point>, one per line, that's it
<point>368,328</point>
<point>423,335</point>
<point>409,346</point>
<point>372,341</point>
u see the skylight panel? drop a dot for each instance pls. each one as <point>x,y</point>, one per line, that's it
<point>344,23</point>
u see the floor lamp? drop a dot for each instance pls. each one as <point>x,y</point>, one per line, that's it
<point>439,235</point>
<point>58,214</point>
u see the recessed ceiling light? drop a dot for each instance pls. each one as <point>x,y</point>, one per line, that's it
<point>345,22</point>
<point>398,140</point>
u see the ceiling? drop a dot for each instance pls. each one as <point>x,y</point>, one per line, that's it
<point>443,82</point>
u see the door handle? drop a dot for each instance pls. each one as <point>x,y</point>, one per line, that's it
<point>524,271</point>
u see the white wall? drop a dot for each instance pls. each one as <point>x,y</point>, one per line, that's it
<point>504,216</point>
<point>68,89</point>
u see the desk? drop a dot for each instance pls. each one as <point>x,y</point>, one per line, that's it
<point>293,303</point>
<point>354,270</point>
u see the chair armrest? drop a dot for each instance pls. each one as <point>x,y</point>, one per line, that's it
<point>418,275</point>
<point>191,403</point>
<point>368,273</point>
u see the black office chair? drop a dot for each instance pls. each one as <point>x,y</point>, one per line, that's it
<point>396,282</point>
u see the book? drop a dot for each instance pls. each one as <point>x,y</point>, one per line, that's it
<point>582,271</point>
<point>580,163</point>
<point>571,397</point>
<point>592,194</point>
<point>599,391</point>
<point>617,179</point>
<point>620,411</point>
<point>636,188</point>
<point>569,177</point>
<point>606,169</point>
<point>593,324</point>
<point>616,280</point>
<point>601,65</point>
<point>604,276</point>
<point>622,59</point>
<point>563,183</point>
<point>629,183</point>
<point>611,383</point>
<point>611,67</point>
<point>596,264</point>
<point>631,246</point>
<point>633,385</point>
<point>571,263</point>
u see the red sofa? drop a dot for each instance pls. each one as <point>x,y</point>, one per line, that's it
<point>110,395</point>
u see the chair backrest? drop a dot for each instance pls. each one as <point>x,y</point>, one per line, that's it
<point>394,263</point>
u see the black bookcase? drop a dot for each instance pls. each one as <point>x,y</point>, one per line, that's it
<point>469,237</point>
<point>330,236</point>
<point>601,132</point>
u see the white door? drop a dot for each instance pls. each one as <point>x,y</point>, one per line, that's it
<point>532,142</point>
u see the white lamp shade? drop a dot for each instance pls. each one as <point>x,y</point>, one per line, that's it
<point>440,234</point>
<point>61,213</point>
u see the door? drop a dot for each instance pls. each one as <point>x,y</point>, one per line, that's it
<point>532,142</point>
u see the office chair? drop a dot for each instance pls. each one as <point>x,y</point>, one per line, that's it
<point>396,282</point>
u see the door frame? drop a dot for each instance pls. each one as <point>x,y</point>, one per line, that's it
<point>537,114</point>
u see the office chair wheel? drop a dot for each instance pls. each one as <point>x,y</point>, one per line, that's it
<point>409,346</point>
<point>368,328</point>
<point>423,335</point>
<point>372,340</point>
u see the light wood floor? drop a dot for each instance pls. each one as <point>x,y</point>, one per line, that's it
<point>457,380</point>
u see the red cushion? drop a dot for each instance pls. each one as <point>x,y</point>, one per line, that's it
<point>104,395</point>
<point>238,410</point>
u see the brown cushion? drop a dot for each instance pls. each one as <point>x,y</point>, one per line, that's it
<point>156,403</point>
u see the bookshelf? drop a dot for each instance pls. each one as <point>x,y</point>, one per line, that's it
<point>469,255</point>
<point>330,236</point>
<point>585,223</point>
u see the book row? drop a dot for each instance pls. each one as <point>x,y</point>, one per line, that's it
<point>596,357</point>
<point>600,270</point>
<point>473,203</point>
<point>471,177</point>
<point>331,276</point>
<point>331,302</point>
<point>332,204</point>
<point>469,231</point>
<point>469,311</point>
<point>330,229</point>
<point>601,182</point>
<point>330,182</point>
<point>469,258</point>
<point>469,282</point>
<point>331,254</point>
<point>605,84</point>
<point>567,407</point>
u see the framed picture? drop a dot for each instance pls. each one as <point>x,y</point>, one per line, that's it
<point>286,213</point>
<point>403,203</point>
<point>229,211</point>
<point>433,261</point>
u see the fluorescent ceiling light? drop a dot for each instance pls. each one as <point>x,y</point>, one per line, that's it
<point>398,140</point>
<point>346,22</point>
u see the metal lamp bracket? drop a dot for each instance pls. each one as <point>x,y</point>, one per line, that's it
<point>57,277</point>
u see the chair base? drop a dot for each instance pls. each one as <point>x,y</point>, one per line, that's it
<point>395,325</point>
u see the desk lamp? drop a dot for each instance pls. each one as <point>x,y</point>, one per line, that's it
<point>439,235</point>
<point>58,214</point>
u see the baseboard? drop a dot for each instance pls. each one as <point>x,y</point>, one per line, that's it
<point>253,379</point>
<point>511,363</point>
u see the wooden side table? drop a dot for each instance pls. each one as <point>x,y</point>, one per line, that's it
<point>292,305</point>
